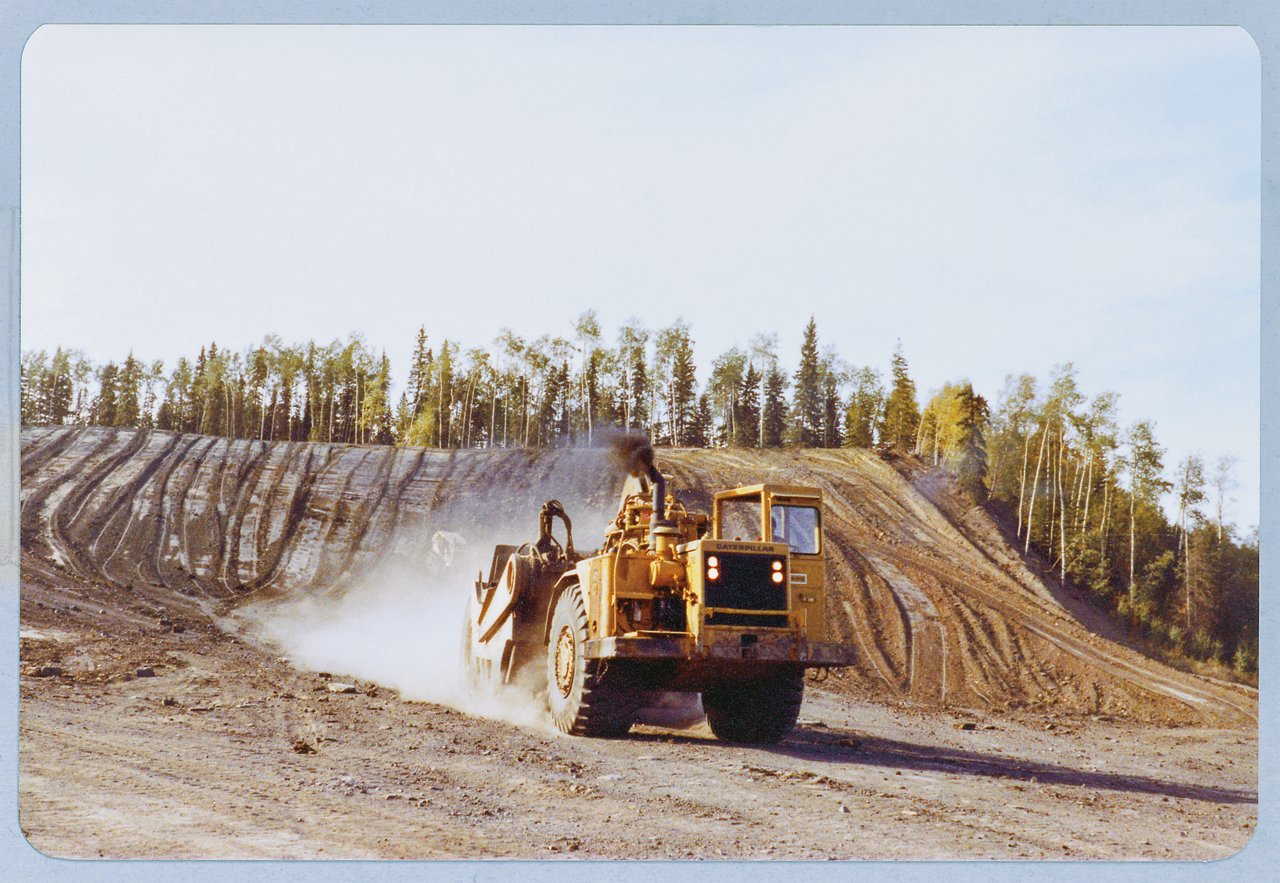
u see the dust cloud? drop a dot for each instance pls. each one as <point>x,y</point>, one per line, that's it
<point>400,627</point>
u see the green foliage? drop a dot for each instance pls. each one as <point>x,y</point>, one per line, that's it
<point>49,387</point>
<point>901,412</point>
<point>953,432</point>
<point>1245,659</point>
<point>421,431</point>
<point>105,405</point>
<point>747,430</point>
<point>726,393</point>
<point>807,407</point>
<point>775,408</point>
<point>863,416</point>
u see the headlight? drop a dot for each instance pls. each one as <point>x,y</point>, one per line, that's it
<point>778,577</point>
<point>713,561</point>
<point>713,573</point>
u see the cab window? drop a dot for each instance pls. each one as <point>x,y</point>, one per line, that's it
<point>797,526</point>
<point>740,519</point>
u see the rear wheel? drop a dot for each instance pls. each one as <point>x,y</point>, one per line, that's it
<point>761,711</point>
<point>583,699</point>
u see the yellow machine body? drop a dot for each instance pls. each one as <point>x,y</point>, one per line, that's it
<point>729,605</point>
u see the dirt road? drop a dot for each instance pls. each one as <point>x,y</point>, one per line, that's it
<point>988,716</point>
<point>229,752</point>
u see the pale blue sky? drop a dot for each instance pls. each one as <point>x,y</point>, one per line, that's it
<point>1001,199</point>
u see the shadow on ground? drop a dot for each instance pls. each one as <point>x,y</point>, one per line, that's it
<point>832,745</point>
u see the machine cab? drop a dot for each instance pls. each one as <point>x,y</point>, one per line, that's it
<point>790,514</point>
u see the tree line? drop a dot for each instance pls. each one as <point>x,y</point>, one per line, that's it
<point>1073,486</point>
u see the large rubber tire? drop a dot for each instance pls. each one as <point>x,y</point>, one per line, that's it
<point>761,712</point>
<point>582,699</point>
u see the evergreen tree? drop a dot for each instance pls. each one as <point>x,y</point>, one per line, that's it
<point>443,405</point>
<point>685,391</point>
<point>60,403</point>
<point>969,457</point>
<point>59,389</point>
<point>808,406</point>
<point>129,394</point>
<point>775,408</point>
<point>195,417</point>
<point>32,378</point>
<point>376,409</point>
<point>674,375</point>
<point>1145,462</point>
<point>748,429</point>
<point>700,428</point>
<point>173,408</point>
<point>105,406</point>
<point>419,374</point>
<point>901,413</point>
<point>834,373</point>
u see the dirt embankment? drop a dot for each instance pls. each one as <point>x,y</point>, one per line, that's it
<point>943,613</point>
<point>982,719</point>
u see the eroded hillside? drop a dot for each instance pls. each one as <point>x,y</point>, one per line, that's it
<point>942,611</point>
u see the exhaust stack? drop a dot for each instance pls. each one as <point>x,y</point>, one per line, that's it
<point>634,455</point>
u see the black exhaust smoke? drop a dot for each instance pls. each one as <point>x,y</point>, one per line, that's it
<point>632,454</point>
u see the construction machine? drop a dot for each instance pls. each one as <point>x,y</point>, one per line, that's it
<point>728,605</point>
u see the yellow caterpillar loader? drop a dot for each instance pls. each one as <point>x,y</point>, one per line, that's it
<point>729,606</point>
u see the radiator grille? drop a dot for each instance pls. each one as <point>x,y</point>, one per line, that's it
<point>745,583</point>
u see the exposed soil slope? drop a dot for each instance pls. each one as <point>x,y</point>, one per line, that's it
<point>941,610</point>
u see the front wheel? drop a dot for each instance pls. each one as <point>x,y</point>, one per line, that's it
<point>583,700</point>
<point>761,711</point>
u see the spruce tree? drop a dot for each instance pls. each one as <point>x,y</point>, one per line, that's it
<point>104,408</point>
<point>1145,463</point>
<point>419,374</point>
<point>443,404</point>
<point>901,412</point>
<point>833,375</point>
<point>684,390</point>
<point>970,456</point>
<point>128,393</point>
<point>808,405</point>
<point>699,432</point>
<point>748,429</point>
<point>775,407</point>
<point>60,389</point>
<point>32,382</point>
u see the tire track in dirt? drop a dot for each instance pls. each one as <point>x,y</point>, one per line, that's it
<point>247,479</point>
<point>127,501</point>
<point>171,561</point>
<point>46,443</point>
<point>43,490</point>
<point>62,526</point>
